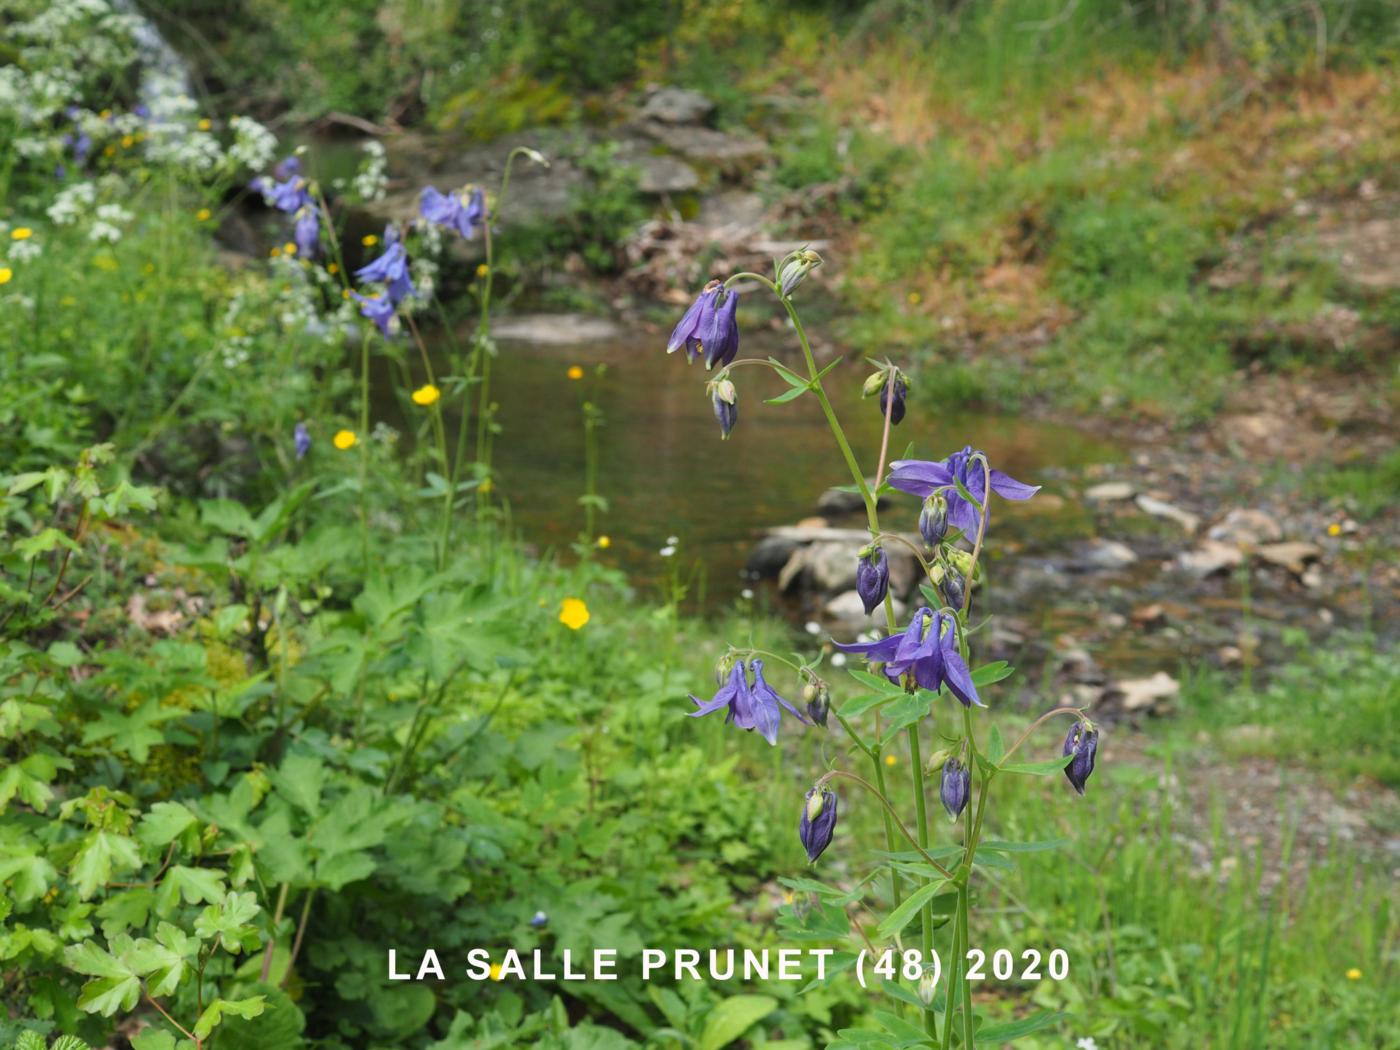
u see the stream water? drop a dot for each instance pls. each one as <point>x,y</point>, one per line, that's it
<point>665,471</point>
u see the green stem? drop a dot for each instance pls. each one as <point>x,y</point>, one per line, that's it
<point>364,448</point>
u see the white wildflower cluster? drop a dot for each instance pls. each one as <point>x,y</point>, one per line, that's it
<point>372,179</point>
<point>67,45</point>
<point>236,351</point>
<point>25,251</point>
<point>253,145</point>
<point>72,203</point>
<point>108,221</point>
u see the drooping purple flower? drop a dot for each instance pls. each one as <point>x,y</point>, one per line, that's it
<point>142,110</point>
<point>391,268</point>
<point>733,696</point>
<point>720,336</point>
<point>901,391</point>
<point>872,578</point>
<point>289,195</point>
<point>301,440</point>
<point>307,233</point>
<point>463,211</point>
<point>286,168</point>
<point>748,706</point>
<point>818,822</point>
<point>923,478</point>
<point>80,143</point>
<point>695,320</point>
<point>1082,742</point>
<point>766,702</point>
<point>539,920</point>
<point>378,308</point>
<point>819,706</point>
<point>954,788</point>
<point>927,649</point>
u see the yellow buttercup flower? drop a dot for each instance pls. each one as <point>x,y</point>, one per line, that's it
<point>573,614</point>
<point>604,542</point>
<point>205,124</point>
<point>203,215</point>
<point>482,269</point>
<point>274,251</point>
<point>890,760</point>
<point>1353,974</point>
<point>289,248</point>
<point>128,141</point>
<point>426,394</point>
<point>21,233</point>
<point>6,274</point>
<point>369,240</point>
<point>575,372</point>
<point>496,971</point>
<point>914,298</point>
<point>345,440</point>
<point>1335,529</point>
<point>332,268</point>
<point>486,487</point>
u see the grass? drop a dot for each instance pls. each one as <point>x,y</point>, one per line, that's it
<point>1058,213</point>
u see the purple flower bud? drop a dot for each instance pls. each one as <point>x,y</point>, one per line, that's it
<point>955,787</point>
<point>818,822</point>
<point>307,233</point>
<point>301,440</point>
<point>726,402</point>
<point>953,588</point>
<point>820,705</point>
<point>933,519</point>
<point>872,578</point>
<point>1082,742</point>
<point>539,920</point>
<point>901,390</point>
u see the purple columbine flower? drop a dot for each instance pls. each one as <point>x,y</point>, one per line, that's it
<point>818,821</point>
<point>378,308</point>
<point>927,649</point>
<point>539,920</point>
<point>307,232</point>
<point>766,703</point>
<point>901,391</point>
<point>872,578</point>
<point>720,336</point>
<point>80,143</point>
<point>289,195</point>
<point>391,268</point>
<point>733,696</point>
<point>1082,742</point>
<point>696,319</point>
<point>955,786</point>
<point>286,168</point>
<point>748,707</point>
<point>464,211</point>
<point>301,440</point>
<point>923,478</point>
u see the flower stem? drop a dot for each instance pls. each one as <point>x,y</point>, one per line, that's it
<point>841,774</point>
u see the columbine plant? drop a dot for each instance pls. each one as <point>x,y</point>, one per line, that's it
<point>388,297</point>
<point>921,681</point>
